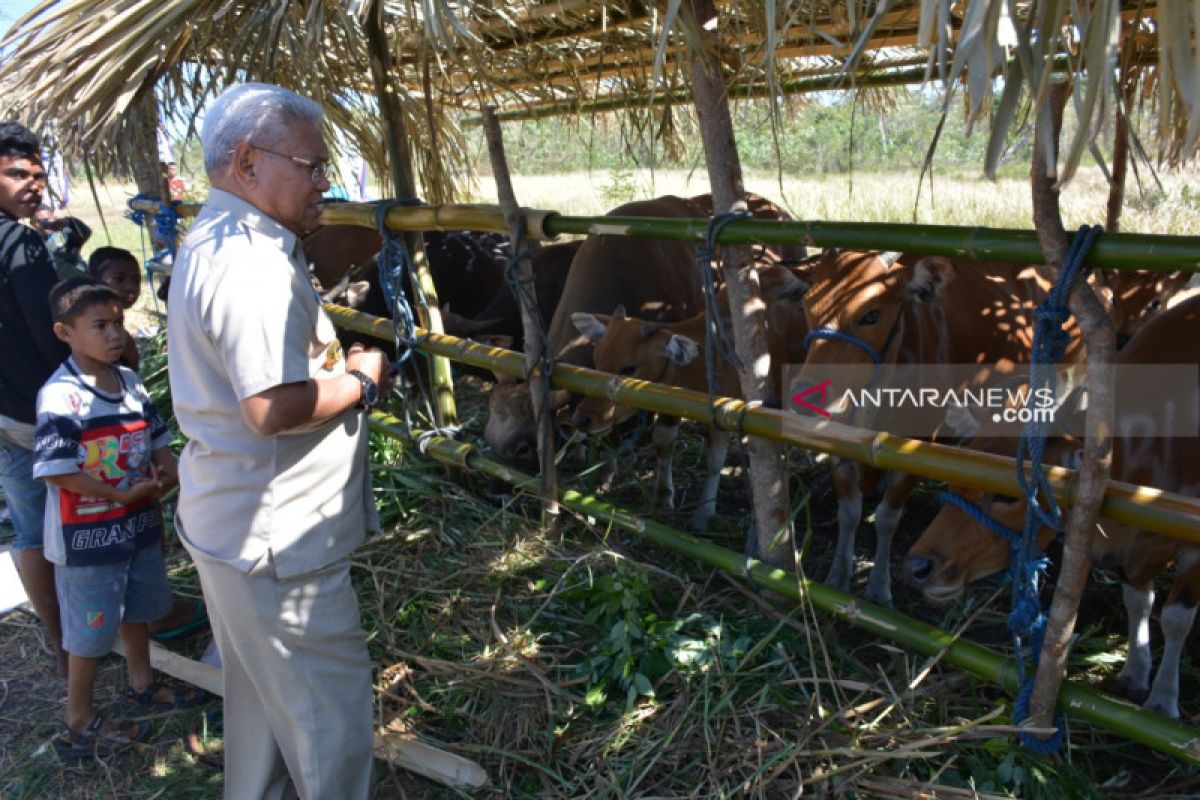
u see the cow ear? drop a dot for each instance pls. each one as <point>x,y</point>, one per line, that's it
<point>619,312</point>
<point>681,350</point>
<point>590,325</point>
<point>356,293</point>
<point>929,277</point>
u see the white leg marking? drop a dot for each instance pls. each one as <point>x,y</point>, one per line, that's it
<point>879,586</point>
<point>1135,676</point>
<point>1176,622</point>
<point>663,438</point>
<point>718,446</point>
<point>849,515</point>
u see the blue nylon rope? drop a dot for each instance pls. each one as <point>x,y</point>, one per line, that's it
<point>395,265</point>
<point>1026,620</point>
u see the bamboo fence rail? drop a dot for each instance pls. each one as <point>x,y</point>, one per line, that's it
<point>1112,250</point>
<point>1144,507</point>
<point>1120,717</point>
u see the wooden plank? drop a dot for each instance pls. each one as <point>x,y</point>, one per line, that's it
<point>197,673</point>
<point>392,744</point>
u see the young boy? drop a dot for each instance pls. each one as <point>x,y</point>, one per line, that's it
<point>118,268</point>
<point>101,446</point>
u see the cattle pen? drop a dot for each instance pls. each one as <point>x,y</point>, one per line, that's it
<point>527,674</point>
<point>1139,506</point>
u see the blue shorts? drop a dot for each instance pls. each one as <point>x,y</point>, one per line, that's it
<point>95,600</point>
<point>24,494</point>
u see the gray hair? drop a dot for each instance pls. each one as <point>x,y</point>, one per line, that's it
<point>252,111</point>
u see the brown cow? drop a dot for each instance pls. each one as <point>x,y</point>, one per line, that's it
<point>674,353</point>
<point>657,280</point>
<point>907,309</point>
<point>956,549</point>
<point>1137,295</point>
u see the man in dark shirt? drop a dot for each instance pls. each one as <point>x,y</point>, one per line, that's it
<point>29,353</point>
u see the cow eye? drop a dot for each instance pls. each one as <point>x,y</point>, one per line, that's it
<point>1154,304</point>
<point>871,317</point>
<point>628,369</point>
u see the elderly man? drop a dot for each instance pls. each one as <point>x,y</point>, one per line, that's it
<point>29,353</point>
<point>274,488</point>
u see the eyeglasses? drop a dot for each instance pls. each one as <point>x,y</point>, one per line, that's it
<point>18,174</point>
<point>319,166</point>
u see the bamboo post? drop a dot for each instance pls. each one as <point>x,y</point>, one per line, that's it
<point>1097,332</point>
<point>536,344</point>
<point>400,161</point>
<point>768,483</point>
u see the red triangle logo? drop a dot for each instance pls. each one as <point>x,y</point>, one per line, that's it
<point>822,389</point>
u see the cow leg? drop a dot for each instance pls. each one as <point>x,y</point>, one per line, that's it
<point>845,482</point>
<point>1176,622</point>
<point>1134,679</point>
<point>663,437</point>
<point>1178,616</point>
<point>887,518</point>
<point>718,446</point>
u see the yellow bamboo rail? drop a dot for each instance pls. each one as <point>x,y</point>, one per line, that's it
<point>1140,506</point>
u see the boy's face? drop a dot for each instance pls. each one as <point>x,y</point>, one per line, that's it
<point>97,334</point>
<point>125,279</point>
<point>22,181</point>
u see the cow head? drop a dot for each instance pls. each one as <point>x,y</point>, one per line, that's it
<point>956,549</point>
<point>511,430</point>
<point>629,348</point>
<point>854,308</point>
<point>1138,295</point>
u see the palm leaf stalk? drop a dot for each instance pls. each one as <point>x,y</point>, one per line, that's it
<point>1143,507</point>
<point>1132,722</point>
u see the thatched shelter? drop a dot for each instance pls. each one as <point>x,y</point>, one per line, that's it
<point>78,67</point>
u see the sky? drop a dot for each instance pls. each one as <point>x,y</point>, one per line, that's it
<point>13,10</point>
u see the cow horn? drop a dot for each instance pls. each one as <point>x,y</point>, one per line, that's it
<point>889,258</point>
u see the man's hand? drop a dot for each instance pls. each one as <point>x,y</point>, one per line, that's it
<point>372,362</point>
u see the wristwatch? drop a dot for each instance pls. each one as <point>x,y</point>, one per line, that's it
<point>370,390</point>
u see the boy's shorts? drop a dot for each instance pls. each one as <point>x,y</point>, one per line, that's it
<point>95,600</point>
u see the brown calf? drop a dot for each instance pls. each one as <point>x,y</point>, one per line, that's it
<point>955,549</point>
<point>907,309</point>
<point>674,353</point>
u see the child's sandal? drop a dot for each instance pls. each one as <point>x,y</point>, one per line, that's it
<point>96,740</point>
<point>181,697</point>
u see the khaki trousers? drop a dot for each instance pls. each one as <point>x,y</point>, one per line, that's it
<point>299,714</point>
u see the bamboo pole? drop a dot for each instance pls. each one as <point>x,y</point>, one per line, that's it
<point>400,161</point>
<point>1111,251</point>
<point>768,483</point>
<point>1096,330</point>
<point>1121,717</point>
<point>1140,506</point>
<point>537,355</point>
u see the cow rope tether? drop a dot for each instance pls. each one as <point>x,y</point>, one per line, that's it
<point>1027,621</point>
<point>395,264</point>
<point>715,335</point>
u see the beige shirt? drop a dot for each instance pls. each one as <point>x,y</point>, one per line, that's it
<point>243,318</point>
